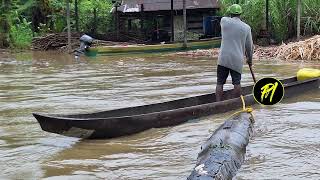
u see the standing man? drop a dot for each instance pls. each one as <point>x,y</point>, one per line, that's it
<point>236,43</point>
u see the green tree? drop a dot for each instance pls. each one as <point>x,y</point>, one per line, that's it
<point>4,23</point>
<point>282,16</point>
<point>103,21</point>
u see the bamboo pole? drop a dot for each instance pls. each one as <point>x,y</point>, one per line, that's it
<point>223,153</point>
<point>298,19</point>
<point>184,24</point>
<point>68,26</point>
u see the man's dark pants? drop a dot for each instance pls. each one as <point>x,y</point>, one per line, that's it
<point>222,75</point>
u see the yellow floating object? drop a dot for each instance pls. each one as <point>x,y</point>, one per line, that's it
<point>307,73</point>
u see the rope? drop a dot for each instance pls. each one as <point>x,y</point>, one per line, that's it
<point>244,109</point>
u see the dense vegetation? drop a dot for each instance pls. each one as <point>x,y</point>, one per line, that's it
<point>282,16</point>
<point>21,20</point>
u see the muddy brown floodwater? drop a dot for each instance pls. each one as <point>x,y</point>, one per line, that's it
<point>286,144</point>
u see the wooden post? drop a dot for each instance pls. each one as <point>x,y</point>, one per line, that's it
<point>298,19</point>
<point>76,14</point>
<point>68,26</point>
<point>117,24</point>
<point>129,25</point>
<point>172,26</point>
<point>142,17</point>
<point>267,21</point>
<point>184,24</point>
<point>95,21</point>
<point>142,20</point>
<point>267,16</point>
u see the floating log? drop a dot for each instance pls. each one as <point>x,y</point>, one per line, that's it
<point>223,153</point>
<point>261,52</point>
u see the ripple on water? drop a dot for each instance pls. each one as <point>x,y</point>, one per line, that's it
<point>285,143</point>
<point>289,146</point>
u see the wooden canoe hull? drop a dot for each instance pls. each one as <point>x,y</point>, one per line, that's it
<point>157,48</point>
<point>120,122</point>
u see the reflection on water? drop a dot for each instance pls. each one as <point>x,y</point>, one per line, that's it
<point>285,144</point>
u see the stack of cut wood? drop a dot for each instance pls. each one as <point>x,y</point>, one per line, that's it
<point>55,41</point>
<point>308,49</point>
<point>264,52</point>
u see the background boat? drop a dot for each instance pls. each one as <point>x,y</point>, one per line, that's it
<point>153,48</point>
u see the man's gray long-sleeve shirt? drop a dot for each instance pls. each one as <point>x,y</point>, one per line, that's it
<point>236,42</point>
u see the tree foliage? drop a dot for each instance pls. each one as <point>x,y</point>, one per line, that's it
<point>22,19</point>
<point>282,16</point>
<point>87,20</point>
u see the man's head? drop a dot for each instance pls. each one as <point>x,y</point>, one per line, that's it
<point>235,10</point>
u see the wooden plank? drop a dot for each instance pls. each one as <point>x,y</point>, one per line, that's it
<point>184,24</point>
<point>68,26</point>
<point>194,18</point>
<point>195,25</point>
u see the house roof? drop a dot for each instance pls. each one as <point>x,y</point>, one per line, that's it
<point>128,6</point>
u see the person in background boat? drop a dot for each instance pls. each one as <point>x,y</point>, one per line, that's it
<point>236,42</point>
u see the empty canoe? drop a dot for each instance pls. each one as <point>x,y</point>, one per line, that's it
<point>155,48</point>
<point>125,121</point>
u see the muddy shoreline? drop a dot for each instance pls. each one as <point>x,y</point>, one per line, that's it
<point>259,53</point>
<point>307,49</point>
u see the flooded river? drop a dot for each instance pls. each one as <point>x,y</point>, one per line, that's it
<point>286,144</point>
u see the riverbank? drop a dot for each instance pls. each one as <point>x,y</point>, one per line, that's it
<point>3,50</point>
<point>308,49</point>
<point>259,53</point>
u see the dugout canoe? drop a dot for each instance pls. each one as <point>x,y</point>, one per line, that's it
<point>125,121</point>
<point>154,48</point>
